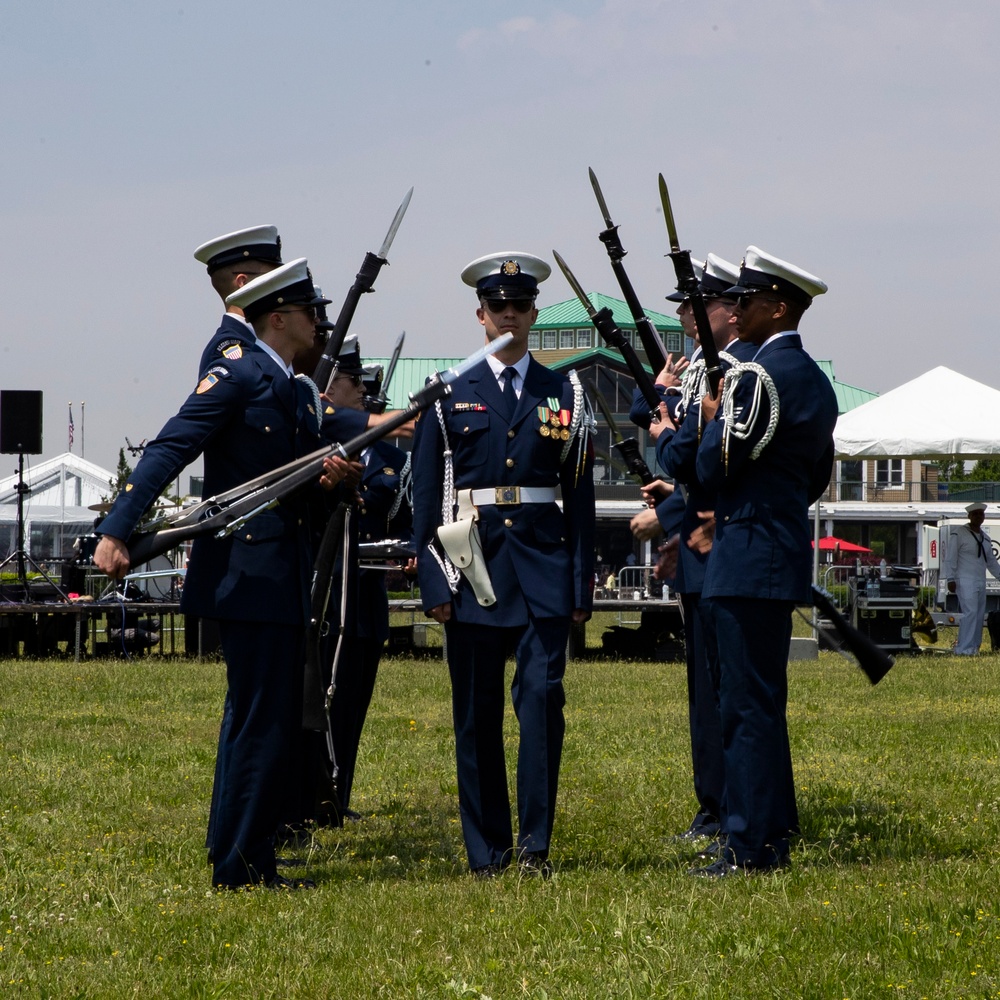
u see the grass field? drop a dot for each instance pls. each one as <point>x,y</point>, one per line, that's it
<point>893,890</point>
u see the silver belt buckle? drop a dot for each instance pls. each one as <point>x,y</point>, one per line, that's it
<point>506,494</point>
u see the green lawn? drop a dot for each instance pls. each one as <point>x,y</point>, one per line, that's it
<point>893,891</point>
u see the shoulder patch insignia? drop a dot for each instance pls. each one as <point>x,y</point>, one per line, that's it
<point>231,348</point>
<point>214,374</point>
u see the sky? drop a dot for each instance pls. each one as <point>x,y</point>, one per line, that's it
<point>857,139</point>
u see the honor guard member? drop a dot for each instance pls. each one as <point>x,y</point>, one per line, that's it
<point>765,458</point>
<point>500,564</point>
<point>233,260</point>
<point>968,554</point>
<point>247,415</point>
<point>382,512</point>
<point>676,454</point>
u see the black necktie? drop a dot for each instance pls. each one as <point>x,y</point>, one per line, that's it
<point>509,396</point>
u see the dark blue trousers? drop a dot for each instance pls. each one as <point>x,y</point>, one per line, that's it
<point>264,671</point>
<point>477,655</point>
<point>753,638</point>
<point>356,676</point>
<point>705,722</point>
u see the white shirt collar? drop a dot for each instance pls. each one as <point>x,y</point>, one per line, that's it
<point>776,336</point>
<point>520,366</point>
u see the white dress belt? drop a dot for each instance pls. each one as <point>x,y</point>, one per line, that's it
<point>502,495</point>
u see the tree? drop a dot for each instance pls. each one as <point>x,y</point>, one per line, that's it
<point>986,470</point>
<point>122,474</point>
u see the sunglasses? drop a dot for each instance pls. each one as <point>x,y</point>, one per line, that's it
<point>356,380</point>
<point>500,305</point>
<point>747,297</point>
<point>310,311</point>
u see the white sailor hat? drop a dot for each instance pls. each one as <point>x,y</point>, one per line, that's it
<point>255,243</point>
<point>290,284</point>
<point>349,358</point>
<point>715,277</point>
<point>509,275</point>
<point>974,507</point>
<point>760,272</point>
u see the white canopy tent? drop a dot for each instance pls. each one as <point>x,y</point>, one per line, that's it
<point>57,509</point>
<point>940,413</point>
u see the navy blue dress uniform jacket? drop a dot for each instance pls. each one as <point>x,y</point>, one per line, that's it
<point>540,559</point>
<point>247,417</point>
<point>232,338</point>
<point>676,454</point>
<point>762,537</point>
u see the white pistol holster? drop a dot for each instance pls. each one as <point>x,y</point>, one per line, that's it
<point>460,541</point>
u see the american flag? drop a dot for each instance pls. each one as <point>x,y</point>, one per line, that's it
<point>70,426</point>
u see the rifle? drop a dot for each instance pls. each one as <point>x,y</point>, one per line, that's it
<point>875,662</point>
<point>604,320</point>
<point>377,404</point>
<point>227,512</point>
<point>687,283</point>
<point>363,282</point>
<point>627,447</point>
<point>648,334</point>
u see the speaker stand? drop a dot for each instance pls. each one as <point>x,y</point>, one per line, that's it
<point>20,556</point>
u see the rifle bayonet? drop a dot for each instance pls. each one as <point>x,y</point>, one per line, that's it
<point>648,334</point>
<point>604,320</point>
<point>687,284</point>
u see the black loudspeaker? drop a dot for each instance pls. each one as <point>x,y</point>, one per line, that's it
<point>21,421</point>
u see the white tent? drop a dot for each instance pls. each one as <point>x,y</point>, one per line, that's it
<point>940,413</point>
<point>57,509</point>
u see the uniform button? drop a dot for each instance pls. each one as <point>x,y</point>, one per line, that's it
<point>249,537</point>
<point>300,522</point>
<point>465,430</point>
<point>510,463</point>
<point>268,429</point>
<point>726,518</point>
<point>508,523</point>
<point>511,433</point>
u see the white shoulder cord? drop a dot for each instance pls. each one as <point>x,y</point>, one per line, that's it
<point>695,384</point>
<point>743,429</point>
<point>314,391</point>
<point>451,573</point>
<point>405,491</point>
<point>583,423</point>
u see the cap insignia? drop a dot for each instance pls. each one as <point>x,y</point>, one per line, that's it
<point>509,268</point>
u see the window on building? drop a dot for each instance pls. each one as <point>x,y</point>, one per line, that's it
<point>889,472</point>
<point>672,342</point>
<point>534,340</point>
<point>585,339</point>
<point>567,340</point>
<point>851,480</point>
<point>548,340</point>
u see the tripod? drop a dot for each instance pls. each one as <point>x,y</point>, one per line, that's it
<point>21,557</point>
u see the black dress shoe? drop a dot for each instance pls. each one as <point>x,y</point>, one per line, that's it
<point>351,816</point>
<point>290,884</point>
<point>712,851</point>
<point>290,862</point>
<point>487,872</point>
<point>724,868</point>
<point>534,866</point>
